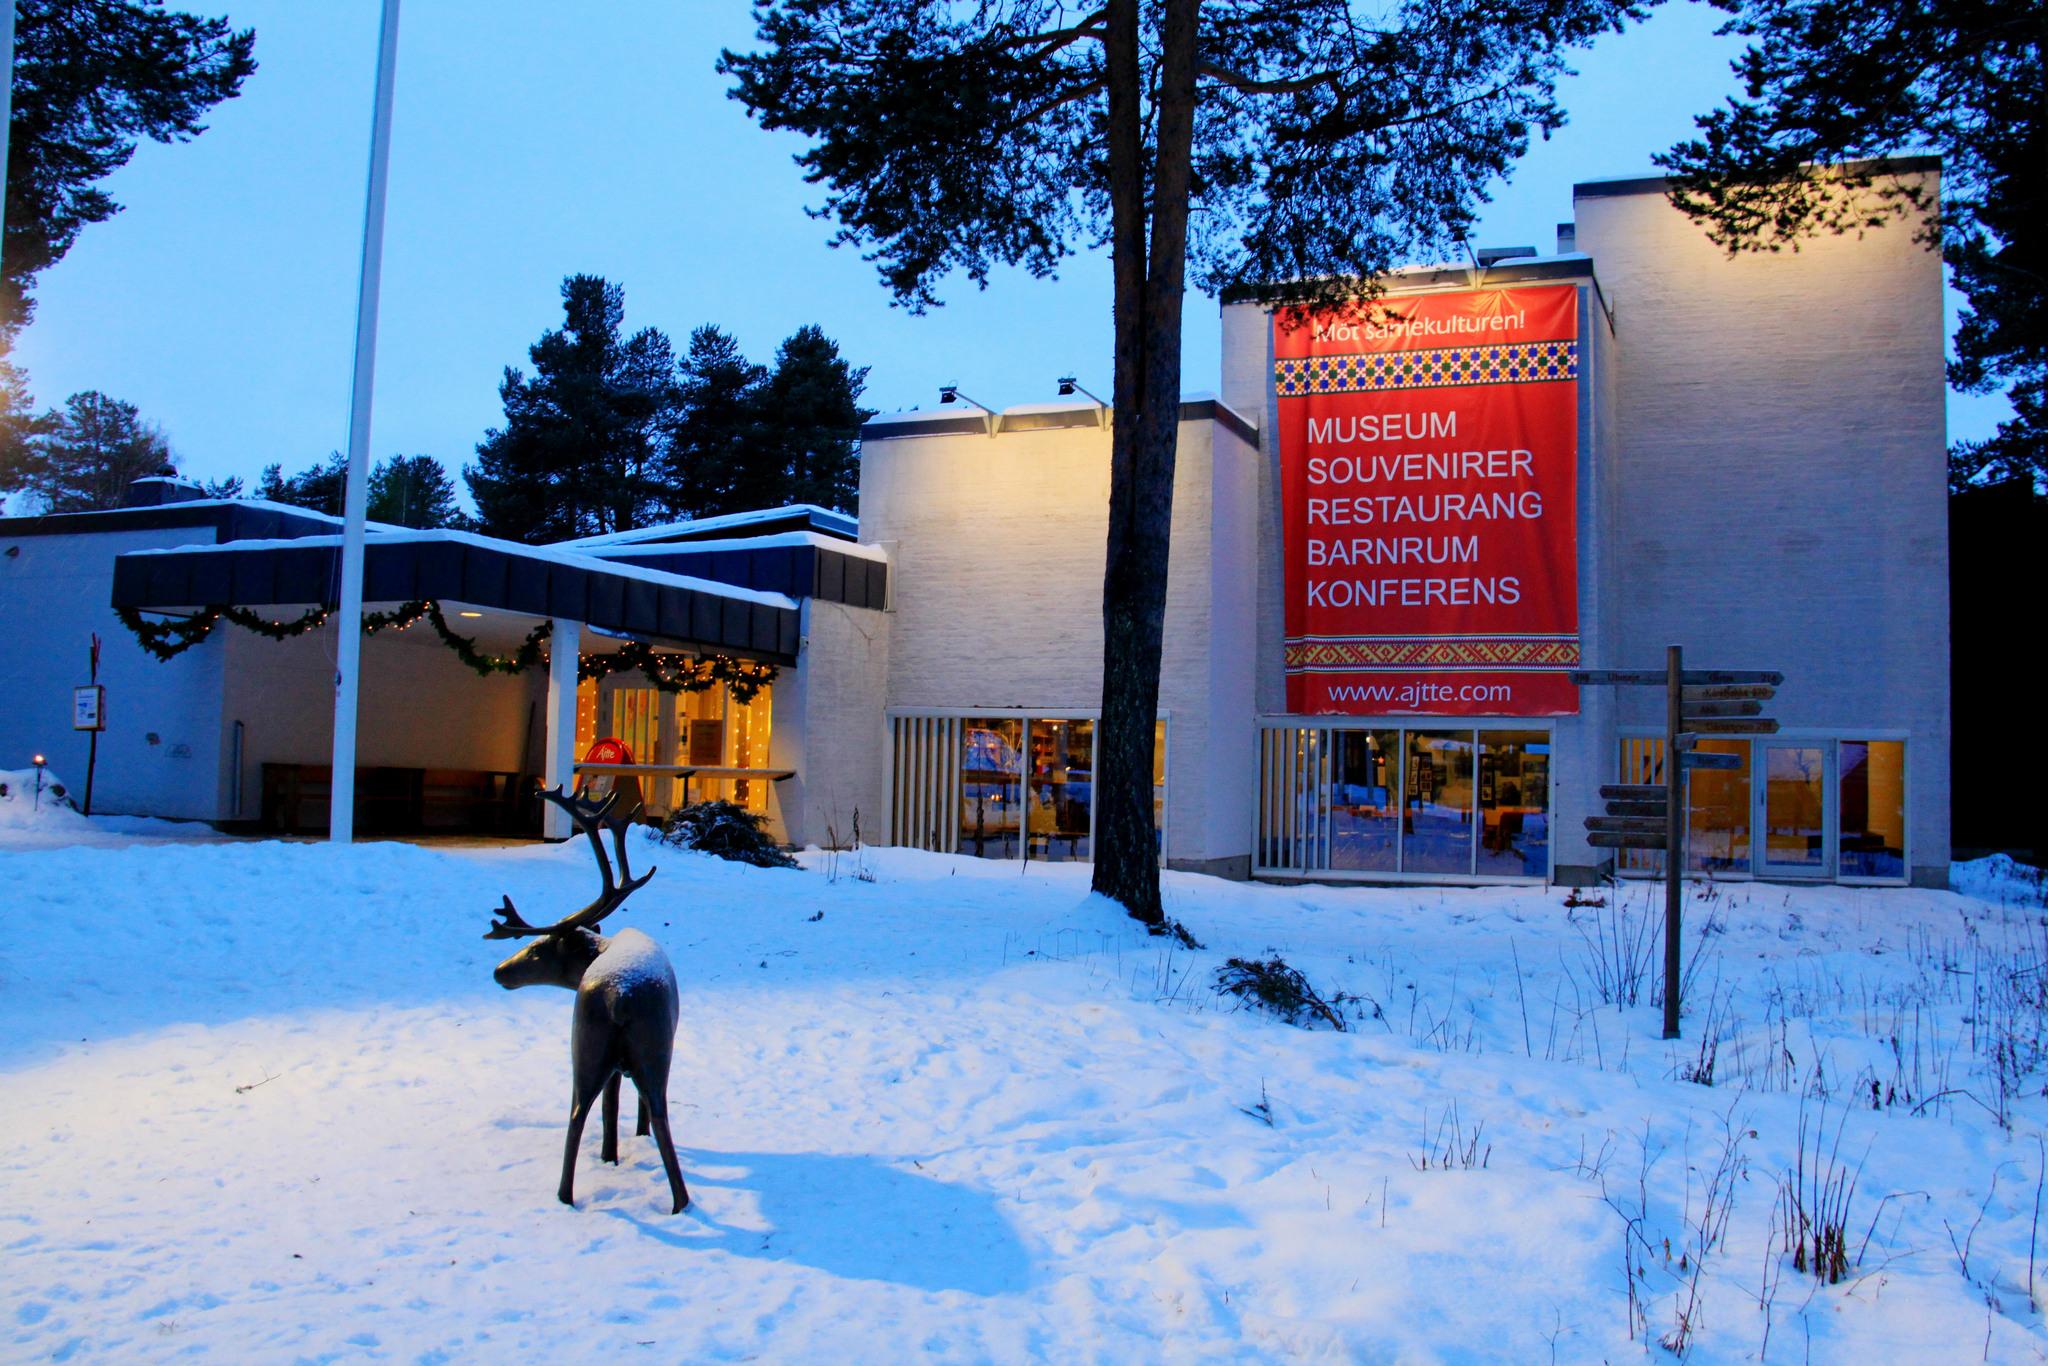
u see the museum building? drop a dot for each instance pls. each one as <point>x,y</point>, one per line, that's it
<point>1397,531</point>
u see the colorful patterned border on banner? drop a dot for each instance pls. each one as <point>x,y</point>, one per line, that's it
<point>1495,653</point>
<point>1377,371</point>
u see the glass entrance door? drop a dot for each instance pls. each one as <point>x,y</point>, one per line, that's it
<point>1793,807</point>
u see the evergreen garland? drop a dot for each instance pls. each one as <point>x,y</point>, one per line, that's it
<point>680,673</point>
<point>525,657</point>
<point>167,639</point>
<point>668,673</point>
<point>170,638</point>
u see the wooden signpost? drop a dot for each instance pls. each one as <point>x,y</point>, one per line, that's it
<point>1698,703</point>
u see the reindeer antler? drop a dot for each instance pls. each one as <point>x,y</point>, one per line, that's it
<point>588,817</point>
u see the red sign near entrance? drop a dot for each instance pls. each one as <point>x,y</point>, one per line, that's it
<point>1429,483</point>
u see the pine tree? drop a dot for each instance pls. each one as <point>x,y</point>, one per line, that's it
<point>414,491</point>
<point>91,78</point>
<point>82,458</point>
<point>17,424</point>
<point>321,487</point>
<point>579,452</point>
<point>717,461</point>
<point>811,418</point>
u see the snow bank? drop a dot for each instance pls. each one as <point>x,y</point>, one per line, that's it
<point>36,800</point>
<point>51,820</point>
<point>265,1102</point>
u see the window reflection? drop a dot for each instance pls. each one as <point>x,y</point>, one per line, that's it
<point>1872,808</point>
<point>1364,801</point>
<point>991,786</point>
<point>1717,838</point>
<point>1159,786</point>
<point>1795,835</point>
<point>1062,790</point>
<point>1437,803</point>
<point>1514,803</point>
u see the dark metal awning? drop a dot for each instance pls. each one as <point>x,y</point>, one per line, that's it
<point>407,566</point>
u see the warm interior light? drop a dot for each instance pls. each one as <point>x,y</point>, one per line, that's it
<point>469,614</point>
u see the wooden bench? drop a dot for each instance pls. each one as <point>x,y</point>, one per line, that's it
<point>400,801</point>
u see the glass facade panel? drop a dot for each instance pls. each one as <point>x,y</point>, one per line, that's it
<point>1872,808</point>
<point>1642,761</point>
<point>1365,801</point>
<point>1717,838</point>
<point>1436,835</point>
<point>991,786</point>
<point>1795,795</point>
<point>1514,803</point>
<point>1159,785</point>
<point>636,722</point>
<point>1062,790</point>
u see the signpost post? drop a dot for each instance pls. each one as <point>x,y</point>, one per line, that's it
<point>89,714</point>
<point>1697,703</point>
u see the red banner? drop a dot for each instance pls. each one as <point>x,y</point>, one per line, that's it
<point>1429,484</point>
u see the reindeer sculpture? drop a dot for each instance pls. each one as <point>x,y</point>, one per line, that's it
<point>626,1004</point>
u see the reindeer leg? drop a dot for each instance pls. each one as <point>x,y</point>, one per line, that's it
<point>640,1129</point>
<point>659,1107</point>
<point>650,1078</point>
<point>609,1150</point>
<point>588,1047</point>
<point>579,1110</point>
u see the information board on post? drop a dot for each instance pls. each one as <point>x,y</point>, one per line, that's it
<point>1429,490</point>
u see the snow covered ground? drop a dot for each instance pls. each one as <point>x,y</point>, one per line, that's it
<point>262,1102</point>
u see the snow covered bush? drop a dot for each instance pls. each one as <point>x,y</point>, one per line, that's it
<point>727,831</point>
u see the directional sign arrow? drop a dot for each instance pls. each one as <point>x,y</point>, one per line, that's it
<point>1602,840</point>
<point>1657,678</point>
<point>1628,825</point>
<point>1690,709</point>
<point>1657,808</point>
<point>1633,792</point>
<point>1728,692</point>
<point>1747,725</point>
<point>1701,759</point>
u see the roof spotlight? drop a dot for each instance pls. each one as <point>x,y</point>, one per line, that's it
<point>1069,386</point>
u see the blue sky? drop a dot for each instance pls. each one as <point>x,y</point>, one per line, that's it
<point>533,140</point>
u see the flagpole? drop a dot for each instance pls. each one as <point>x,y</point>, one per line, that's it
<point>349,644</point>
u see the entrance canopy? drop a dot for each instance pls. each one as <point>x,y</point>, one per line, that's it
<point>455,566</point>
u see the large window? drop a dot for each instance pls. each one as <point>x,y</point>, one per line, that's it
<point>991,787</point>
<point>1436,808</point>
<point>1872,808</point>
<point>1061,817</point>
<point>1514,803</point>
<point>1432,802</point>
<point>1365,801</point>
<point>1016,786</point>
<point>1796,806</point>
<point>701,730</point>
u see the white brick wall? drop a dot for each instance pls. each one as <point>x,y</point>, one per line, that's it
<point>998,545</point>
<point>828,726</point>
<point>1781,489</point>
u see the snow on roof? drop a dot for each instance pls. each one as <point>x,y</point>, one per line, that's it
<point>553,553</point>
<point>771,540</point>
<point>669,531</point>
<point>261,504</point>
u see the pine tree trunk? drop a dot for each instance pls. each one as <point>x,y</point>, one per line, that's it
<point>1150,281</point>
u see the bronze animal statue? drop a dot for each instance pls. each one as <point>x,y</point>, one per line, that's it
<point>626,1003</point>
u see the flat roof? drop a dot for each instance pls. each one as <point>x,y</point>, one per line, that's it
<point>407,566</point>
<point>1025,417</point>
<point>797,516</point>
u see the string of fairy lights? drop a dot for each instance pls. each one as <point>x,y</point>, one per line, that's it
<point>169,637</point>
